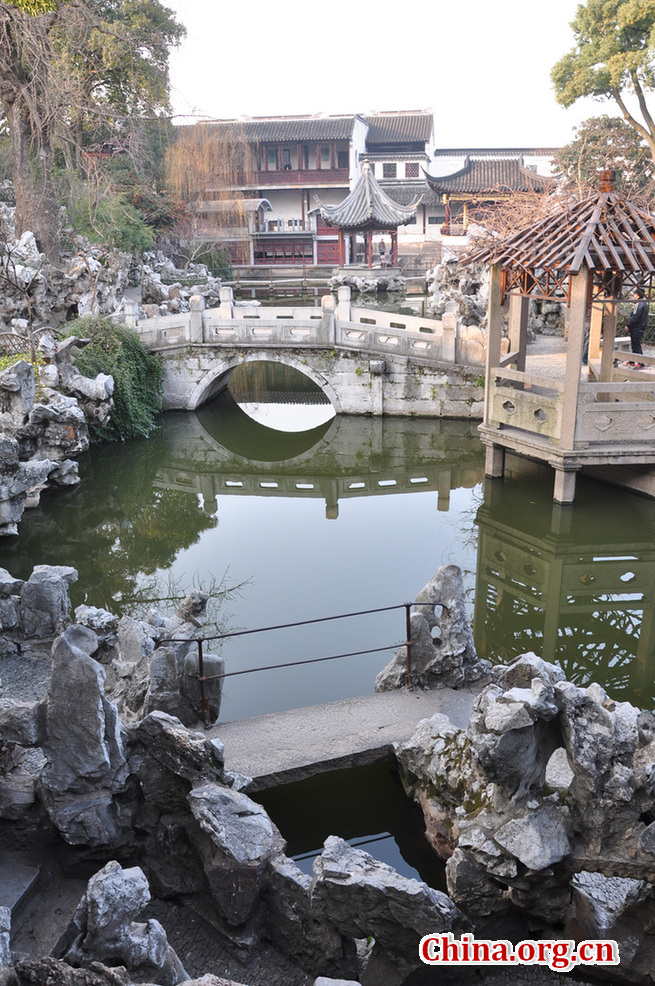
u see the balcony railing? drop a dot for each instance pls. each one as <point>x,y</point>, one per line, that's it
<point>294,176</point>
<point>283,226</point>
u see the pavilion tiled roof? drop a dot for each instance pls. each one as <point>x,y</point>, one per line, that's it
<point>368,207</point>
<point>604,232</point>
<point>488,177</point>
<point>394,128</point>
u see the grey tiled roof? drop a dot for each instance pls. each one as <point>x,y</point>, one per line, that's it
<point>289,128</point>
<point>393,128</point>
<point>486,177</point>
<point>368,207</point>
<point>406,193</point>
<point>490,152</point>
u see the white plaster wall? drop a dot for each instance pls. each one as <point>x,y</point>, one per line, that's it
<point>286,204</point>
<point>357,148</point>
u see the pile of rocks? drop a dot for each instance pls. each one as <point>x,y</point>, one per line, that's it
<point>370,283</point>
<point>166,289</point>
<point>120,776</point>
<point>44,423</point>
<point>545,808</point>
<point>466,289</point>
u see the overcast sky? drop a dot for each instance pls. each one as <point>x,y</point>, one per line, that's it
<point>483,66</point>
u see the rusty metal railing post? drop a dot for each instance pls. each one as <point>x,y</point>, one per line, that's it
<point>201,678</point>
<point>408,642</point>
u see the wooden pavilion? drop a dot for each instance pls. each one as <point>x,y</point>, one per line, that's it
<point>367,210</point>
<point>589,254</point>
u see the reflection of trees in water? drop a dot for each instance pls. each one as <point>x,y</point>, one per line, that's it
<point>115,527</point>
<point>264,381</point>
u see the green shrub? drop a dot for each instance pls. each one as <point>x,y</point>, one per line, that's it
<point>112,221</point>
<point>116,350</point>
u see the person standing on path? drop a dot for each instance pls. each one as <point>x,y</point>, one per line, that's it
<point>637,324</point>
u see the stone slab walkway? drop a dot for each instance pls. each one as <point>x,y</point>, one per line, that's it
<point>289,746</point>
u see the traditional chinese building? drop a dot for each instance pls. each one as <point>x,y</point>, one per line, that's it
<point>288,161</point>
<point>488,177</point>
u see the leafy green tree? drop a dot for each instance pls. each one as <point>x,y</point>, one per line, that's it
<point>613,58</point>
<point>73,72</point>
<point>608,142</point>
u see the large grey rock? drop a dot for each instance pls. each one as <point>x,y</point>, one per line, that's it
<point>442,652</point>
<point>236,841</point>
<point>361,896</point>
<point>539,839</point>
<point>179,750</point>
<point>510,745</point>
<point>621,909</point>
<point>100,388</point>
<point>45,604</point>
<point>9,586</point>
<point>84,745</point>
<point>5,933</point>
<point>472,887</point>
<point>86,765</point>
<point>108,932</point>
<point>21,722</point>
<point>17,392</point>
<point>291,924</point>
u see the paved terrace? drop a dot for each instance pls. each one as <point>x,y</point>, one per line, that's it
<point>290,746</point>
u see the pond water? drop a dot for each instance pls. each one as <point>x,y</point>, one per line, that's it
<point>350,514</point>
<point>337,515</point>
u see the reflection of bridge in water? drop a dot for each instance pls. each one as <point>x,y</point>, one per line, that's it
<point>574,584</point>
<point>346,457</point>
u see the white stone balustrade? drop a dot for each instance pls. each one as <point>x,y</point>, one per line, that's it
<point>332,326</point>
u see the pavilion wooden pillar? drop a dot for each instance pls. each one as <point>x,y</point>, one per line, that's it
<point>609,338</point>
<point>495,455</point>
<point>394,248</point>
<point>341,258</point>
<point>564,491</point>
<point>369,247</point>
<point>518,327</point>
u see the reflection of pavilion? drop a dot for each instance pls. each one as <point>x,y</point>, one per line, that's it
<point>575,585</point>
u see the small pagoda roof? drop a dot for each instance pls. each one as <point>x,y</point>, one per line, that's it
<point>367,207</point>
<point>495,176</point>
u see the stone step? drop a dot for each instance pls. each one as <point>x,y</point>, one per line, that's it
<point>290,746</point>
<point>18,881</point>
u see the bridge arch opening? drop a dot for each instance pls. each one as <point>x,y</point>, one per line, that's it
<point>228,424</point>
<point>285,374</point>
<point>280,396</point>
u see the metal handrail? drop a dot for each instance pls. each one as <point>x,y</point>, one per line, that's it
<point>202,678</point>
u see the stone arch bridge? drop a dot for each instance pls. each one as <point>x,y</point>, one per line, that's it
<point>366,361</point>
